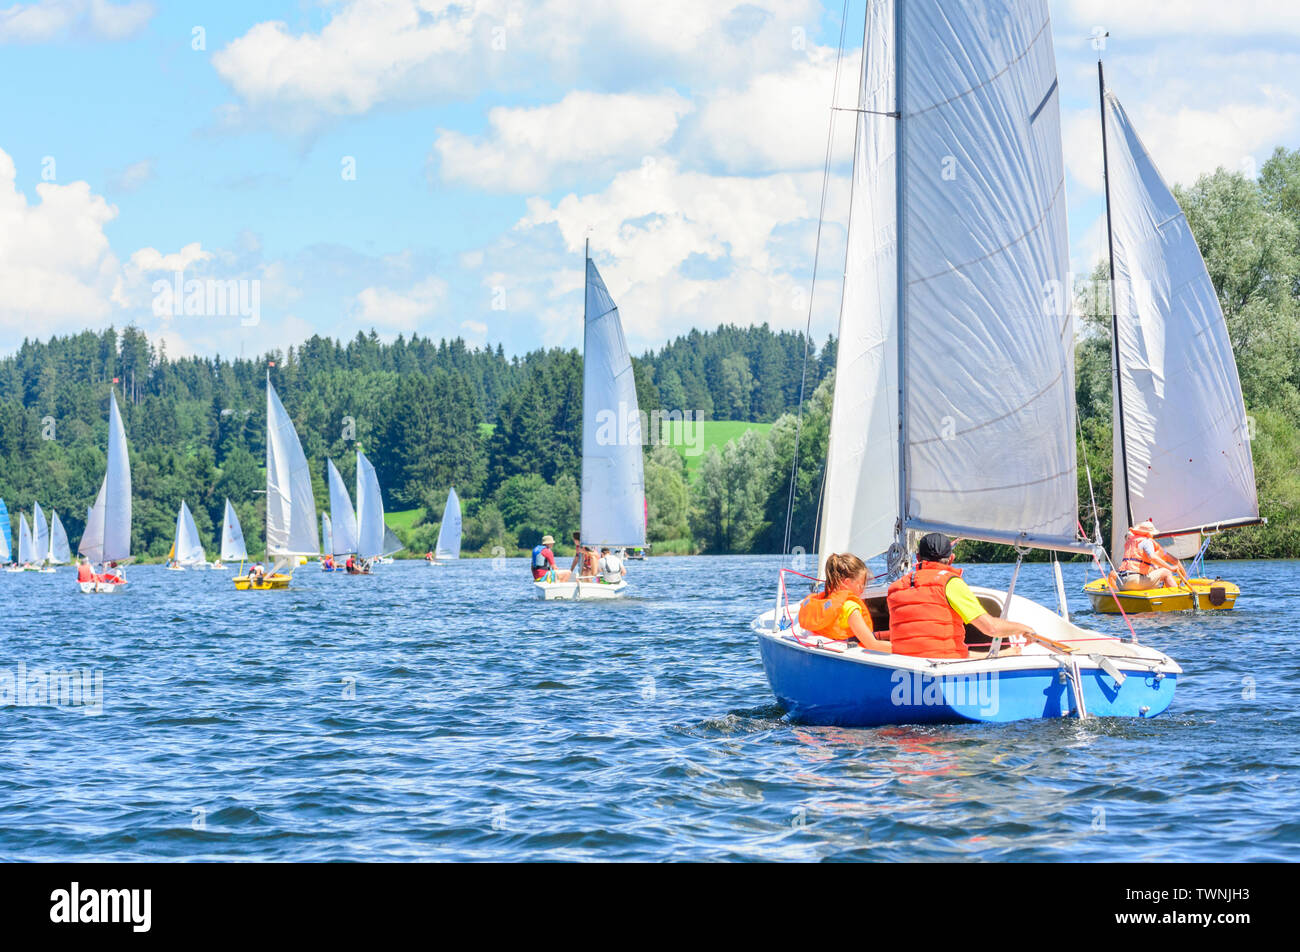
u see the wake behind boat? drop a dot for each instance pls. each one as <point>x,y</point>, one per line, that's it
<point>946,353</point>
<point>613,483</point>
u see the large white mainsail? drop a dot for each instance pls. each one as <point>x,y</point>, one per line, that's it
<point>290,505</point>
<point>449,531</point>
<point>1182,447</point>
<point>187,549</point>
<point>40,533</point>
<point>343,519</point>
<point>108,524</point>
<point>613,484</point>
<point>26,548</point>
<point>370,511</point>
<point>233,547</point>
<point>60,554</point>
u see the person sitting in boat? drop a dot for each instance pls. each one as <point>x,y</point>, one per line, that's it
<point>84,571</point>
<point>611,567</point>
<point>838,611</point>
<point>930,607</point>
<point>544,562</point>
<point>256,573</point>
<point>351,564</point>
<point>584,559</point>
<point>428,556</point>
<point>1145,563</point>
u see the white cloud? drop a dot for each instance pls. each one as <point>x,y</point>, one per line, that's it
<point>1124,18</point>
<point>401,311</point>
<point>47,20</point>
<point>133,176</point>
<point>151,259</point>
<point>533,149</point>
<point>57,269</point>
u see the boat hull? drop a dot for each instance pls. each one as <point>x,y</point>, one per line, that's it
<point>1211,595</point>
<point>578,592</point>
<point>102,588</point>
<point>243,584</point>
<point>822,682</point>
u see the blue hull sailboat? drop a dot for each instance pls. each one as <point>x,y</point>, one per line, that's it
<point>954,401</point>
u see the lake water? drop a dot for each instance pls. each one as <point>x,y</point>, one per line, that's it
<point>445,713</point>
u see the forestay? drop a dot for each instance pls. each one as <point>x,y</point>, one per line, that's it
<point>613,485</point>
<point>343,520</point>
<point>233,547</point>
<point>988,404</point>
<point>290,506</point>
<point>449,531</point>
<point>1185,436</point>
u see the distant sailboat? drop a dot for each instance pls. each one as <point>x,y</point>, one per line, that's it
<point>232,538</point>
<point>374,539</point>
<point>343,518</point>
<point>1181,452</point>
<point>187,549</point>
<point>107,538</point>
<point>26,547</point>
<point>448,546</point>
<point>60,553</point>
<point>291,531</point>
<point>6,532</point>
<point>613,483</point>
<point>947,356</point>
<point>40,537</point>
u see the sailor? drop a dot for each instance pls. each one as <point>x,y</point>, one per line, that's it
<point>838,612</point>
<point>84,572</point>
<point>1145,563</point>
<point>584,558</point>
<point>611,568</point>
<point>256,573</point>
<point>544,561</point>
<point>930,607</point>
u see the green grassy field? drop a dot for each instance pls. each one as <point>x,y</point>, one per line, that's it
<point>711,433</point>
<point>404,520</point>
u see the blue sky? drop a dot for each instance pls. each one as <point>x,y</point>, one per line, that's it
<point>490,137</point>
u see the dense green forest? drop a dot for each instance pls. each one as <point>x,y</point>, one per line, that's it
<point>506,431</point>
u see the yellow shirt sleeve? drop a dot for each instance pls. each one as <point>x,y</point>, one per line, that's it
<point>962,600</point>
<point>848,611</point>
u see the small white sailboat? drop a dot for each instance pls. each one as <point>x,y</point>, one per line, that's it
<point>26,547</point>
<point>60,553</point>
<point>107,538</point>
<point>613,483</point>
<point>291,531</point>
<point>1181,453</point>
<point>40,539</point>
<point>449,531</point>
<point>233,548</point>
<point>187,549</point>
<point>343,518</point>
<point>947,356</point>
<point>375,540</point>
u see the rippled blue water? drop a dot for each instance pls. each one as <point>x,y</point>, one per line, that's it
<point>445,713</point>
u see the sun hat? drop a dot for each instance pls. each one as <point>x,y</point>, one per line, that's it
<point>547,540</point>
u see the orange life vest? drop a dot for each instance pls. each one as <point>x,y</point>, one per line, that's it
<point>1135,560</point>
<point>819,614</point>
<point>85,573</point>
<point>921,622</point>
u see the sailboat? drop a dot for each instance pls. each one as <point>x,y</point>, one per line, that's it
<point>448,546</point>
<point>290,506</point>
<point>60,553</point>
<point>26,547</point>
<point>327,563</point>
<point>107,538</point>
<point>613,483</point>
<point>232,538</point>
<point>953,408</point>
<point>343,518</point>
<point>1181,451</point>
<point>375,540</point>
<point>6,552</point>
<point>187,549</point>
<point>40,539</point>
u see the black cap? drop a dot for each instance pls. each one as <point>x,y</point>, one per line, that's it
<point>934,547</point>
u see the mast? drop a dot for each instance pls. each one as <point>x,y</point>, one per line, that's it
<point>1119,463</point>
<point>900,174</point>
<point>586,279</point>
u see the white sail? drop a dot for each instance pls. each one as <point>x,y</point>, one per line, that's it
<point>233,547</point>
<point>108,524</point>
<point>187,549</point>
<point>370,511</point>
<point>40,533</point>
<point>391,542</point>
<point>290,505</point>
<point>343,520</point>
<point>449,531</point>
<point>613,485</point>
<point>326,534</point>
<point>986,329</point>
<point>6,553</point>
<point>26,548</point>
<point>862,459</point>
<point>1185,452</point>
<point>60,554</point>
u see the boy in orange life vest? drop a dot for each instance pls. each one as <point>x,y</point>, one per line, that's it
<point>839,612</point>
<point>930,607</point>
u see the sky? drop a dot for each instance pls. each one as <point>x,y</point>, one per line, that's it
<point>431,167</point>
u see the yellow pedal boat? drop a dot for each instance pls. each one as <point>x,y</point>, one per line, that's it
<point>1211,595</point>
<point>242,584</point>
